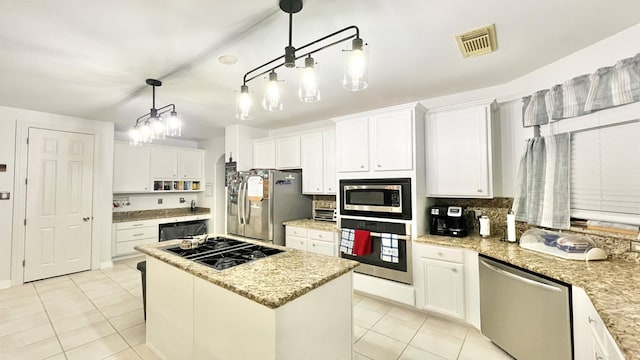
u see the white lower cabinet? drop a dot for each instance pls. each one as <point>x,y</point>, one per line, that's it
<point>317,241</point>
<point>591,338</point>
<point>127,235</point>
<point>439,280</point>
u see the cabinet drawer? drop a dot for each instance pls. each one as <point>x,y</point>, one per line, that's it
<point>321,235</point>
<point>444,254</point>
<point>296,242</point>
<point>136,224</point>
<point>127,247</point>
<point>296,231</point>
<point>137,233</point>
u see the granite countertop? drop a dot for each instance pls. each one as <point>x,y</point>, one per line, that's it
<point>124,216</point>
<point>313,224</point>
<point>272,281</point>
<point>612,285</point>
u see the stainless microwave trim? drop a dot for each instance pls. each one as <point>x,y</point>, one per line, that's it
<point>374,208</point>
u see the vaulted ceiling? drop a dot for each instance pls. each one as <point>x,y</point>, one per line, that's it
<point>90,58</point>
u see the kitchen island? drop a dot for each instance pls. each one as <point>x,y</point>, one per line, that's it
<point>291,305</point>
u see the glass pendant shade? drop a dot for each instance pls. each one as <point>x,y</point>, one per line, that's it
<point>135,136</point>
<point>174,125</point>
<point>158,128</point>
<point>272,100</point>
<point>244,104</point>
<point>309,90</point>
<point>355,67</point>
<point>146,132</point>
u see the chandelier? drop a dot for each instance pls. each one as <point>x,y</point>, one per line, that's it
<point>355,68</point>
<point>152,125</point>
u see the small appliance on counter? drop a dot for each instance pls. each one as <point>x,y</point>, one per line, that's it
<point>447,221</point>
<point>566,246</point>
<point>324,210</point>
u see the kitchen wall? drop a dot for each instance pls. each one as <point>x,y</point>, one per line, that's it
<point>14,124</point>
<point>214,176</point>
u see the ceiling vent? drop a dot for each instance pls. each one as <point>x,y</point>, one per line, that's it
<point>478,42</point>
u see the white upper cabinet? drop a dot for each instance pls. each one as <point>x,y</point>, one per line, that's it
<point>191,164</point>
<point>264,154</point>
<point>329,158</point>
<point>458,150</point>
<point>312,166</point>
<point>288,152</point>
<point>378,141</point>
<point>352,144</point>
<point>392,146</point>
<point>130,168</point>
<point>318,152</point>
<point>164,163</point>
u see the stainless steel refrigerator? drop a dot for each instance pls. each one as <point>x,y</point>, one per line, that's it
<point>260,200</point>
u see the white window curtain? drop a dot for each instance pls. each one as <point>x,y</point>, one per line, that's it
<point>542,185</point>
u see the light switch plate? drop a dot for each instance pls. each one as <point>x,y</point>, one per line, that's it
<point>5,195</point>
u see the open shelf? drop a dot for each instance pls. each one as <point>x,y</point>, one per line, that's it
<point>176,185</point>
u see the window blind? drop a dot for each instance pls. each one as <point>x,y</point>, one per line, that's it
<point>605,173</point>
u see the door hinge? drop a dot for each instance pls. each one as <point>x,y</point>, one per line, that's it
<point>25,181</point>
<point>27,141</point>
<point>23,263</point>
<point>25,222</point>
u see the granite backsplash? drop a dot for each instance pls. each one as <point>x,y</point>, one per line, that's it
<point>616,245</point>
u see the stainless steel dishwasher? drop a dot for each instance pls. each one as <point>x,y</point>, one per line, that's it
<point>527,315</point>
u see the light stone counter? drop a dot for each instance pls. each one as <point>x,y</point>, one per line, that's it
<point>613,286</point>
<point>272,281</point>
<point>313,224</point>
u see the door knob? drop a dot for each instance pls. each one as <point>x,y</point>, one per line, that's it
<point>86,218</point>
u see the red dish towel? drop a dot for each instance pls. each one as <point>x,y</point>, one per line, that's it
<point>362,243</point>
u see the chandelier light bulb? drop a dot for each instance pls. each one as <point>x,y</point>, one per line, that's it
<point>135,136</point>
<point>355,72</point>
<point>244,104</point>
<point>308,90</point>
<point>174,125</point>
<point>147,132</point>
<point>159,128</point>
<point>272,94</point>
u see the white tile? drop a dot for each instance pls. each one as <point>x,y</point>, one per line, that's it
<point>413,353</point>
<point>110,299</point>
<point>436,342</point>
<point>57,357</point>
<point>135,335</point>
<point>120,308</point>
<point>38,350</point>
<point>128,354</point>
<point>472,351</point>
<point>447,327</point>
<point>98,349</point>
<point>476,337</point>
<point>145,353</point>
<point>24,290</point>
<point>25,323</point>
<point>365,317</point>
<point>407,314</point>
<point>379,347</point>
<point>28,308</point>
<point>67,311</point>
<point>375,305</point>
<point>57,302</point>
<point>25,337</point>
<point>357,298</point>
<point>395,328</point>
<point>81,336</point>
<point>104,290</point>
<point>132,284</point>
<point>358,356</point>
<point>77,321</point>
<point>127,320</point>
<point>358,331</point>
<point>19,301</point>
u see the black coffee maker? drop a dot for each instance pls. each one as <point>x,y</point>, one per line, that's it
<point>448,221</point>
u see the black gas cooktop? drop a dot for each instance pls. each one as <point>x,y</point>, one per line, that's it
<point>222,253</point>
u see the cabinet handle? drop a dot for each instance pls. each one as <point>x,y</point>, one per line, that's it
<point>361,166</point>
<point>598,357</point>
<point>329,189</point>
<point>137,224</point>
<point>440,254</point>
<point>320,236</point>
<point>317,189</point>
<point>479,190</point>
<point>591,320</point>
<point>138,234</point>
<point>454,270</point>
<point>379,165</point>
<point>314,245</point>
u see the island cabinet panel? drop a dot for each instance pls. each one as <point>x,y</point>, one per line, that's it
<point>169,310</point>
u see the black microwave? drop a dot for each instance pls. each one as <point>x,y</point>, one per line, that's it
<point>380,198</point>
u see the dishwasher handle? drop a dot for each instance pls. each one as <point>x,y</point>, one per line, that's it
<point>520,278</point>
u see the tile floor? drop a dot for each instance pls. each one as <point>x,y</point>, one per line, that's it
<point>98,315</point>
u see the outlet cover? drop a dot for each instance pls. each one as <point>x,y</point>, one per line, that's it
<point>5,195</point>
<point>159,201</point>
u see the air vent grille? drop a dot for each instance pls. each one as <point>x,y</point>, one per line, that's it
<point>478,42</point>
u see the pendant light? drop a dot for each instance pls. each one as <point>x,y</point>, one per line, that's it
<point>309,90</point>
<point>152,126</point>
<point>355,70</point>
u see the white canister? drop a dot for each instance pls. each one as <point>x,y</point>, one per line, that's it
<point>485,226</point>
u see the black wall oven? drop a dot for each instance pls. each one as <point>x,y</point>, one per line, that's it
<point>371,264</point>
<point>379,198</point>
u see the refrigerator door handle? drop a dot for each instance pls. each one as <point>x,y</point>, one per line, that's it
<point>246,205</point>
<point>240,203</point>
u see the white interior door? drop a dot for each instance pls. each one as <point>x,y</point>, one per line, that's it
<point>59,203</point>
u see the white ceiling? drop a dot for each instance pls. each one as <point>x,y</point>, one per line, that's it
<point>90,58</point>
